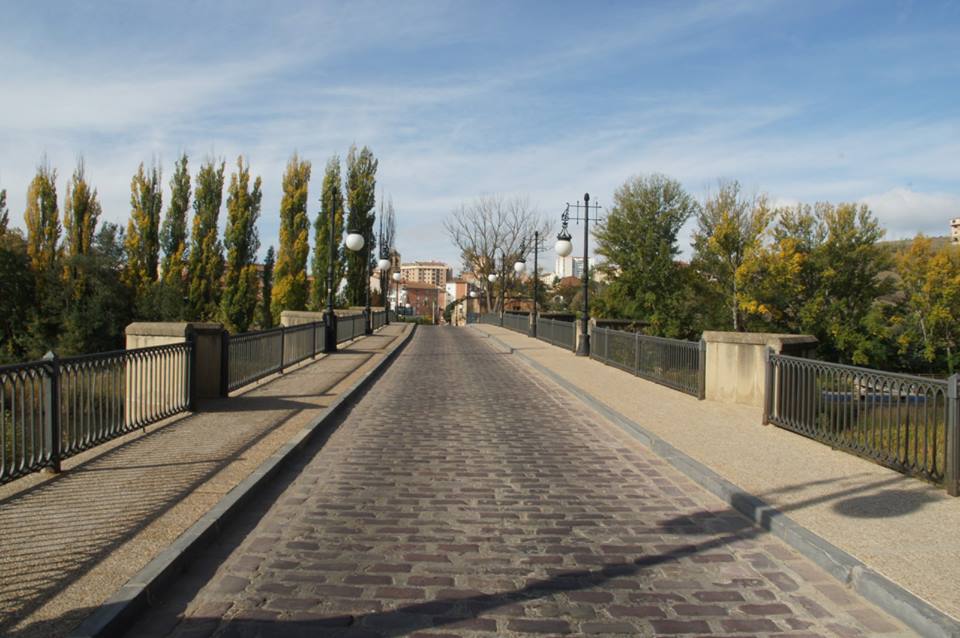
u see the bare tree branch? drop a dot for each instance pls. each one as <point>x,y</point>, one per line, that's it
<point>490,229</point>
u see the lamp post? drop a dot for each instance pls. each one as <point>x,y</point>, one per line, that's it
<point>384,264</point>
<point>396,278</point>
<point>521,265</point>
<point>355,243</point>
<point>563,248</point>
<point>330,318</point>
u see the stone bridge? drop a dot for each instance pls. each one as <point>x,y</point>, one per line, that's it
<point>459,482</point>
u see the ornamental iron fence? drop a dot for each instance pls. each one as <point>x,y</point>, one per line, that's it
<point>517,322</point>
<point>559,333</point>
<point>904,422</point>
<point>350,327</point>
<point>675,363</point>
<point>53,409</point>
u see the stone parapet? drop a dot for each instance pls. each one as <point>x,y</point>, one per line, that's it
<point>208,342</point>
<point>736,365</point>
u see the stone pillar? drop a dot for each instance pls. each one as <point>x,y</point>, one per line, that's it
<point>207,342</point>
<point>736,366</point>
<point>290,318</point>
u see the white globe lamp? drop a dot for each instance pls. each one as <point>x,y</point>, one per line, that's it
<point>383,265</point>
<point>492,277</point>
<point>519,266</point>
<point>563,247</point>
<point>396,276</point>
<point>354,241</point>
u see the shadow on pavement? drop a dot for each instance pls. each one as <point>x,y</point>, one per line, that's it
<point>55,532</point>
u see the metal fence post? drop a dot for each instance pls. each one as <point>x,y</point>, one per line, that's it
<point>283,345</point>
<point>224,364</point>
<point>951,474</point>
<point>767,385</point>
<point>702,363</point>
<point>51,411</point>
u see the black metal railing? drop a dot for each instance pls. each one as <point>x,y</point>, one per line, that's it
<point>674,363</point>
<point>517,322</point>
<point>378,319</point>
<point>897,420</point>
<point>490,318</point>
<point>559,333</point>
<point>349,327</point>
<point>299,343</point>
<point>254,355</point>
<point>55,408</point>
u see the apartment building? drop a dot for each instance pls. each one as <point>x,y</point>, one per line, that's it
<point>428,272</point>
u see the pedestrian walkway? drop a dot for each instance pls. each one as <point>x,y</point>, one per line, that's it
<point>468,495</point>
<point>69,542</point>
<point>901,527</point>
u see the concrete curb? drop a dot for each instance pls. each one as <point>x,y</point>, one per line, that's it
<point>913,611</point>
<point>114,616</point>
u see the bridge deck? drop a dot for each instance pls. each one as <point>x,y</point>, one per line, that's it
<point>69,542</point>
<point>467,495</point>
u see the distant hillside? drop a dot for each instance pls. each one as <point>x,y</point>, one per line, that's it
<point>895,245</point>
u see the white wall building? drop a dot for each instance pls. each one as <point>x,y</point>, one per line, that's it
<point>571,266</point>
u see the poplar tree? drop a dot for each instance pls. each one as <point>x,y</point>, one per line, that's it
<point>80,213</point>
<point>361,196</point>
<point>206,252</point>
<point>173,239</point>
<point>4,212</point>
<point>142,242</point>
<point>239,300</point>
<point>290,291</point>
<point>266,289</point>
<point>331,203</point>
<point>42,217</point>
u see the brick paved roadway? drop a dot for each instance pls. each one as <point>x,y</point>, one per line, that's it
<point>468,496</point>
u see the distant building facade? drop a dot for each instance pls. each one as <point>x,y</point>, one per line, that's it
<point>955,230</point>
<point>570,266</point>
<point>428,272</point>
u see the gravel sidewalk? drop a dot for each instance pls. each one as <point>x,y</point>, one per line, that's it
<point>901,527</point>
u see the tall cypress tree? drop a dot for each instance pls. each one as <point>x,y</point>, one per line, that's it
<point>4,212</point>
<point>239,301</point>
<point>142,243</point>
<point>331,203</point>
<point>266,289</point>
<point>81,211</point>
<point>173,240</point>
<point>361,197</point>
<point>206,251</point>
<point>290,291</point>
<point>42,217</point>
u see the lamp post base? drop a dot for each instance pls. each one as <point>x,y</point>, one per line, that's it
<point>330,332</point>
<point>583,347</point>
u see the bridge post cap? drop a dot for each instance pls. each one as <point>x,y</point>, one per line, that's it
<point>171,328</point>
<point>774,339</point>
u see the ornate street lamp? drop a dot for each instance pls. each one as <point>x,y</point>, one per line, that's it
<point>355,243</point>
<point>330,317</point>
<point>564,247</point>
<point>383,265</point>
<point>396,278</point>
<point>521,265</point>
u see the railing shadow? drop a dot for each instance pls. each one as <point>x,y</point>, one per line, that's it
<point>53,533</point>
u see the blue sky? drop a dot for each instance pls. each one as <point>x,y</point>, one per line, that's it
<point>805,101</point>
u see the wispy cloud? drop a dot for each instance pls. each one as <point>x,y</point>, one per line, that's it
<point>458,100</point>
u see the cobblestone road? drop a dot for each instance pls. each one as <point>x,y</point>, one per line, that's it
<point>465,495</point>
